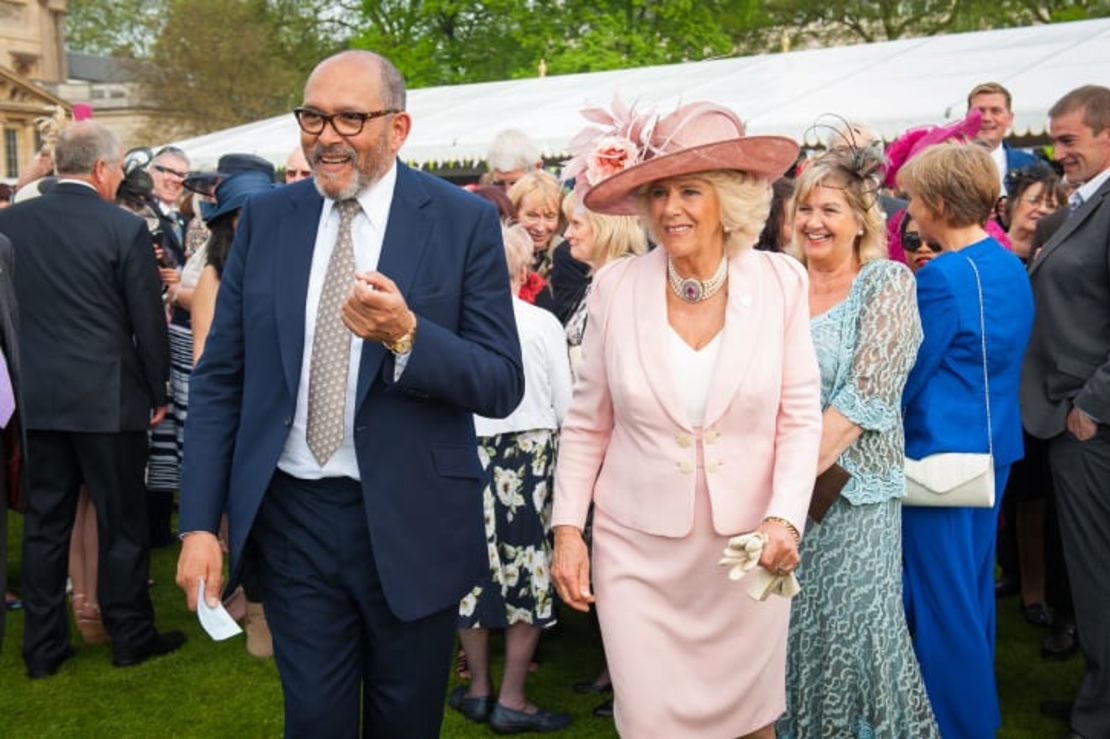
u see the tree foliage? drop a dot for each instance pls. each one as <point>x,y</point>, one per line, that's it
<point>123,28</point>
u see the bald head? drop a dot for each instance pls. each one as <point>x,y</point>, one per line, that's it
<point>391,83</point>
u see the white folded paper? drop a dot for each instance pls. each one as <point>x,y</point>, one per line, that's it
<point>215,620</point>
<point>742,555</point>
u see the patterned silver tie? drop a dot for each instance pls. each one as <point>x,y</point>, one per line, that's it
<point>331,345</point>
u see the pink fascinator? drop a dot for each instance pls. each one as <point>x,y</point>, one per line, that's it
<point>913,142</point>
<point>615,143</point>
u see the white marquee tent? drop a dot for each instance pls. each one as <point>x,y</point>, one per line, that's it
<point>891,85</point>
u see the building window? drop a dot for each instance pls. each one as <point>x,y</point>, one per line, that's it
<point>11,152</point>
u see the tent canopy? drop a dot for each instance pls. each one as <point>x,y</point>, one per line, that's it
<point>891,86</point>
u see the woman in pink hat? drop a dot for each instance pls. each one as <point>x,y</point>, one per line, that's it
<point>695,418</point>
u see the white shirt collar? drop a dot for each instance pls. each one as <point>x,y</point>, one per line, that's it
<point>374,200</point>
<point>71,181</point>
<point>1091,186</point>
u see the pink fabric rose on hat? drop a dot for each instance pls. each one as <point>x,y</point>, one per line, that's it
<point>612,154</point>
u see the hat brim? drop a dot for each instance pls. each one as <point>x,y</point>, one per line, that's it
<point>766,157</point>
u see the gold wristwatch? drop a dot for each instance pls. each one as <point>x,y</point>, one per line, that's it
<point>403,345</point>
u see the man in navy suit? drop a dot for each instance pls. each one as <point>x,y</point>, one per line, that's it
<point>995,104</point>
<point>350,473</point>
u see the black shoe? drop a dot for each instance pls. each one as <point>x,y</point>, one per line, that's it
<point>1056,709</point>
<point>1006,585</point>
<point>605,710</point>
<point>1060,643</point>
<point>159,644</point>
<point>475,709</point>
<point>590,687</point>
<point>37,672</point>
<point>1037,615</point>
<point>507,721</point>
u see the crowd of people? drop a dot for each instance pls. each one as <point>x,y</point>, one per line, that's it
<point>413,413</point>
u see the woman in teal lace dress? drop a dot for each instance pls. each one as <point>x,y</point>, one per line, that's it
<point>851,669</point>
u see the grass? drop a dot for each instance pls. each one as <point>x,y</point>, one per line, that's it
<point>217,690</point>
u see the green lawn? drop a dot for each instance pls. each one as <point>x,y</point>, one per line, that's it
<point>217,690</point>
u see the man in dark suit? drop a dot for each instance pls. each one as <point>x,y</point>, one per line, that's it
<point>12,440</point>
<point>92,337</point>
<point>1065,390</point>
<point>995,104</point>
<point>363,317</point>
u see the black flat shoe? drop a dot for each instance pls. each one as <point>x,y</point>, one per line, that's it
<point>1037,615</point>
<point>39,671</point>
<point>591,688</point>
<point>1058,710</point>
<point>1006,585</point>
<point>1060,643</point>
<point>164,643</point>
<point>475,709</point>
<point>507,721</point>
<point>605,710</point>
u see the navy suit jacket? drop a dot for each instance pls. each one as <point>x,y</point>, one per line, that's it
<point>414,439</point>
<point>944,399</point>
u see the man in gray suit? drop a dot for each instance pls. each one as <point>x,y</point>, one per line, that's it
<point>1065,389</point>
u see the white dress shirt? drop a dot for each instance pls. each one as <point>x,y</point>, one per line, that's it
<point>368,230</point>
<point>999,157</point>
<point>1089,188</point>
<point>543,348</point>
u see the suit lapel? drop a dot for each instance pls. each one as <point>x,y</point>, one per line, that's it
<point>293,263</point>
<point>741,325</point>
<point>651,326</point>
<point>1070,225</point>
<point>406,238</point>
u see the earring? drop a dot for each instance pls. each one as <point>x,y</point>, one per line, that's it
<point>860,232</point>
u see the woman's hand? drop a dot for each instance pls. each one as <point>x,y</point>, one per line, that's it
<point>780,553</point>
<point>571,568</point>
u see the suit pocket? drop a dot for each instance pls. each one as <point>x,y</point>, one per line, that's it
<point>1080,370</point>
<point>458,460</point>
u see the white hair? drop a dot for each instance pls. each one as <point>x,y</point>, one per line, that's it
<point>512,149</point>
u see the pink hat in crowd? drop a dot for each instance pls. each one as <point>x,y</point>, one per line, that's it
<point>914,141</point>
<point>697,137</point>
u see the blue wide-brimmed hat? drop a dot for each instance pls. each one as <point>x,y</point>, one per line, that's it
<point>233,192</point>
<point>205,182</point>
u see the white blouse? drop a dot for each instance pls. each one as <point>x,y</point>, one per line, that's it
<point>693,369</point>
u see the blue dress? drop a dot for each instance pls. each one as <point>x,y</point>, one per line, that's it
<point>851,670</point>
<point>948,553</point>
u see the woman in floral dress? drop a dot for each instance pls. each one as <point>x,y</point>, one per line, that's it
<point>518,454</point>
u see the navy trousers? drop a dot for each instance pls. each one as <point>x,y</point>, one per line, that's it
<point>344,659</point>
<point>948,589</point>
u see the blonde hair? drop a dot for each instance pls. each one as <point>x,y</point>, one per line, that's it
<point>955,181</point>
<point>614,236</point>
<point>518,249</point>
<point>540,182</point>
<point>850,172</point>
<point>745,202</point>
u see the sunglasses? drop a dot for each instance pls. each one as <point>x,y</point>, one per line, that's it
<point>171,171</point>
<point>912,242</point>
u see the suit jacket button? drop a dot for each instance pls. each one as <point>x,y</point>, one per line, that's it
<point>686,467</point>
<point>683,440</point>
<point>712,465</point>
<point>711,436</point>
<point>288,421</point>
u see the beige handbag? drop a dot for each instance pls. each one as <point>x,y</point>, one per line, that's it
<point>956,479</point>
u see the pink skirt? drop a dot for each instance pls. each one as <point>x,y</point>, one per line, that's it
<point>690,653</point>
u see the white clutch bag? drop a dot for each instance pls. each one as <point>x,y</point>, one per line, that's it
<point>950,480</point>
<point>956,479</point>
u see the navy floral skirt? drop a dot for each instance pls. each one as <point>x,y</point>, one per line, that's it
<point>517,500</point>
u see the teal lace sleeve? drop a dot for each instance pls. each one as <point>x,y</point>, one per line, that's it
<point>866,348</point>
<point>888,334</point>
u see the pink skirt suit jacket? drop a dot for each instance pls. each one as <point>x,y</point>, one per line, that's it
<point>689,651</point>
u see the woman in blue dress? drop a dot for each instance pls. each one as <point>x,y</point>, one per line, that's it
<point>851,671</point>
<point>949,552</point>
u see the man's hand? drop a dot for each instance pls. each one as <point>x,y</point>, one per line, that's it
<point>376,310</point>
<point>158,416</point>
<point>1080,425</point>
<point>201,558</point>
<point>169,275</point>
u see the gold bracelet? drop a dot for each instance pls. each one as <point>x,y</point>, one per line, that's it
<point>791,529</point>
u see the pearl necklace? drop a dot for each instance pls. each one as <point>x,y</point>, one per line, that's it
<point>692,290</point>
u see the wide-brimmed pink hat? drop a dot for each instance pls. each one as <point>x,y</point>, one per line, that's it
<point>698,137</point>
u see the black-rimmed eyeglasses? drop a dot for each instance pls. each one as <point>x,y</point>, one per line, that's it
<point>345,123</point>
